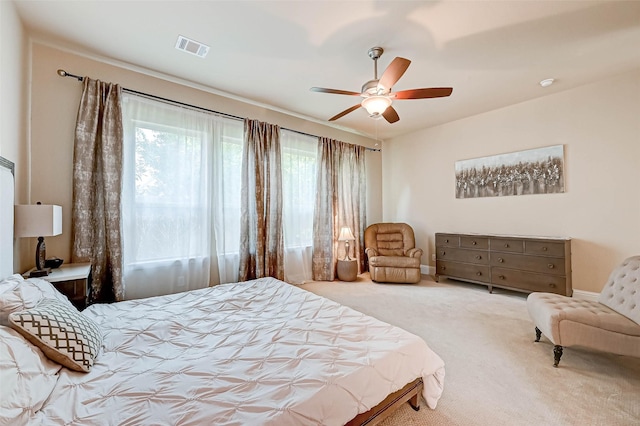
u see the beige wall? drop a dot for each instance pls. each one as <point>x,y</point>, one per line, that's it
<point>54,104</point>
<point>599,126</point>
<point>13,107</point>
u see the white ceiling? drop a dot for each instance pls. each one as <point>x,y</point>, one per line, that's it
<point>493,53</point>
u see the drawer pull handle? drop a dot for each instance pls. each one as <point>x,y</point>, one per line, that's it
<point>550,266</point>
<point>474,243</point>
<point>443,268</point>
<point>544,248</point>
<point>506,245</point>
<point>552,285</point>
<point>446,241</point>
<point>478,273</point>
<point>501,277</point>
<point>444,252</point>
<point>501,260</point>
<point>478,257</point>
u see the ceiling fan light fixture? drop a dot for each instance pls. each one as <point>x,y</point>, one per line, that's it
<point>376,105</point>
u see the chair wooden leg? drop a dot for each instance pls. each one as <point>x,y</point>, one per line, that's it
<point>557,354</point>
<point>538,334</point>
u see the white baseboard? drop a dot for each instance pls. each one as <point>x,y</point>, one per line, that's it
<point>578,294</point>
<point>586,295</point>
<point>427,270</point>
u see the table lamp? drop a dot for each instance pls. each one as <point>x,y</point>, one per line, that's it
<point>38,220</point>
<point>346,235</point>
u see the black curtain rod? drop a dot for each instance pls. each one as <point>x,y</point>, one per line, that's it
<point>63,73</point>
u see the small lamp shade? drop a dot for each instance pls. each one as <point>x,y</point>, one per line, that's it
<point>38,220</point>
<point>346,234</point>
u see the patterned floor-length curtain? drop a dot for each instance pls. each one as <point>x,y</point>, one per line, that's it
<point>97,183</point>
<point>261,241</point>
<point>340,201</point>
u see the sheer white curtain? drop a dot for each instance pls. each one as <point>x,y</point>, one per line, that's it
<point>299,162</point>
<point>176,207</point>
<point>227,167</point>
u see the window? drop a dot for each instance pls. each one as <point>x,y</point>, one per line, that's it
<point>181,198</point>
<point>299,162</point>
<point>167,194</point>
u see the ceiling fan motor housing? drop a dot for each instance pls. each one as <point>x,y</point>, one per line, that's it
<point>370,88</point>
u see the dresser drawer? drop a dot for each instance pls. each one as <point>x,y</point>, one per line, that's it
<point>466,271</point>
<point>528,281</point>
<point>546,265</point>
<point>447,240</point>
<point>544,248</point>
<point>507,245</point>
<point>470,241</point>
<point>463,255</point>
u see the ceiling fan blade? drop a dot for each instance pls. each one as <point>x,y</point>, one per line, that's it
<point>345,112</point>
<point>390,114</point>
<point>394,71</point>
<point>433,92</point>
<point>334,91</point>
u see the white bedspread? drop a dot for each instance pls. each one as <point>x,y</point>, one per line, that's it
<point>261,352</point>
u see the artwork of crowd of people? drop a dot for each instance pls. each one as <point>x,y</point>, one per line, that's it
<point>524,177</point>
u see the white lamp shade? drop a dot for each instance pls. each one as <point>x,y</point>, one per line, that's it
<point>376,105</point>
<point>37,220</point>
<point>346,234</point>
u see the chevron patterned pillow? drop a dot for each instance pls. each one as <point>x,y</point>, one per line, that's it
<point>65,335</point>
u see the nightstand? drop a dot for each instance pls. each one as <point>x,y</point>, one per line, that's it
<point>347,270</point>
<point>72,280</point>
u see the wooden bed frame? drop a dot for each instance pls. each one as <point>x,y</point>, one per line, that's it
<point>410,393</point>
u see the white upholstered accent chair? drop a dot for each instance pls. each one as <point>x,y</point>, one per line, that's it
<point>612,324</point>
<point>392,253</point>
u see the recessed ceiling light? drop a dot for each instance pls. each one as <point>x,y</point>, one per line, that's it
<point>191,46</point>
<point>547,82</point>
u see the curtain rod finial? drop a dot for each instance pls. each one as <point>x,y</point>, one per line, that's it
<point>63,73</point>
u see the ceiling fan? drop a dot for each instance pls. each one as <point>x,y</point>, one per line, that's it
<point>377,93</point>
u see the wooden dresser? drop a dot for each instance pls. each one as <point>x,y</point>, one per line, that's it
<point>518,263</point>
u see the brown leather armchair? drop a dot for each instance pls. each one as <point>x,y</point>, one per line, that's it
<point>393,257</point>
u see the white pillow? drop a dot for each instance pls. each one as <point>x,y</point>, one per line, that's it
<point>27,378</point>
<point>21,294</point>
<point>10,283</point>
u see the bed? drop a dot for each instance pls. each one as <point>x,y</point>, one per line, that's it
<point>260,352</point>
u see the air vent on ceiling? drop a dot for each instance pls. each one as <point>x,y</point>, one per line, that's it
<point>192,46</point>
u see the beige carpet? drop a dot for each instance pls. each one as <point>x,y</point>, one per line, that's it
<point>495,373</point>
